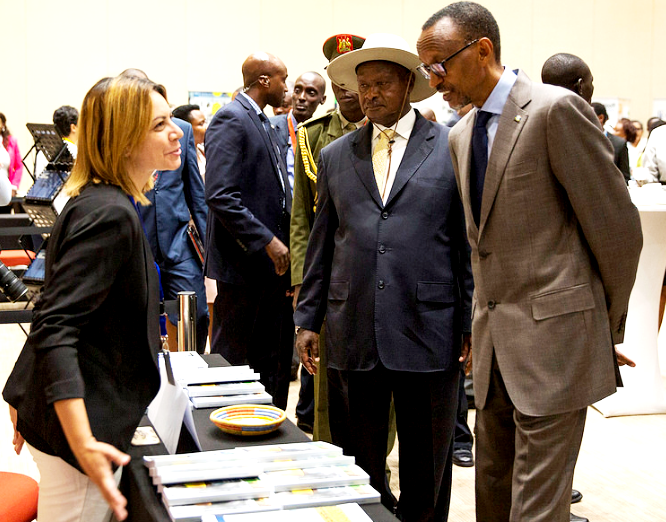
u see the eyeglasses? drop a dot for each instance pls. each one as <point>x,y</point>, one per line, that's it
<point>438,68</point>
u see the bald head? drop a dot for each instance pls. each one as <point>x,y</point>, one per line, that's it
<point>571,72</point>
<point>260,64</point>
<point>264,77</point>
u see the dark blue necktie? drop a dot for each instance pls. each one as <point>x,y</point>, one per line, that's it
<point>479,162</point>
<point>272,138</point>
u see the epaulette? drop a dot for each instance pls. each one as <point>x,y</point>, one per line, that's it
<point>317,119</point>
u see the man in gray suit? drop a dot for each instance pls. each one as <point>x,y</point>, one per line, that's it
<point>388,264</point>
<point>555,244</point>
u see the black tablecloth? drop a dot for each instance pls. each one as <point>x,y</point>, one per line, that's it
<point>144,504</point>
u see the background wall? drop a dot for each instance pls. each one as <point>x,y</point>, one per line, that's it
<point>54,51</point>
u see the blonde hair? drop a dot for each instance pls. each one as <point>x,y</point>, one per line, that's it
<point>115,117</point>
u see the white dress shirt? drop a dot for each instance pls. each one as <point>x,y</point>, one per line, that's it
<point>402,133</point>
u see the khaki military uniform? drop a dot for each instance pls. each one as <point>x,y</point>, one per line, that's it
<point>313,136</point>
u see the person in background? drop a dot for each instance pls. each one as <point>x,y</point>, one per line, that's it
<point>66,120</point>
<point>15,166</point>
<point>247,252</point>
<point>637,147</point>
<point>89,367</point>
<point>192,114</point>
<point>286,105</point>
<point>176,200</point>
<point>620,151</point>
<point>571,72</point>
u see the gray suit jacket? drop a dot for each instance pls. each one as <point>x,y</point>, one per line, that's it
<point>555,254</point>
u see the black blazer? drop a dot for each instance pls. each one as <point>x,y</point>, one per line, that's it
<point>247,204</point>
<point>281,126</point>
<point>620,155</point>
<point>394,280</point>
<point>95,333</point>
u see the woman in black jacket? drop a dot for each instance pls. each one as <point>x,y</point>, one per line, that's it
<point>89,367</point>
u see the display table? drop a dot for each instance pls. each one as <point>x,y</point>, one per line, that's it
<point>643,391</point>
<point>144,504</point>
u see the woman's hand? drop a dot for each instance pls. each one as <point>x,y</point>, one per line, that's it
<point>94,457</point>
<point>18,438</point>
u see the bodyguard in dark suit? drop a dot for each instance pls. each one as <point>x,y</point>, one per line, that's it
<point>620,150</point>
<point>176,196</point>
<point>388,264</point>
<point>249,200</point>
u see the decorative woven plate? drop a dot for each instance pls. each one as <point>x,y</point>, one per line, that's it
<point>248,419</point>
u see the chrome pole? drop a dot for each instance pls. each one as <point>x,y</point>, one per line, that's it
<point>187,323</point>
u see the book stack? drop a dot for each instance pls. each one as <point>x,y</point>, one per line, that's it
<point>222,386</point>
<point>258,478</point>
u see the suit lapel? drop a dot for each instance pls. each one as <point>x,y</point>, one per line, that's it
<point>511,123</point>
<point>419,147</point>
<point>362,161</point>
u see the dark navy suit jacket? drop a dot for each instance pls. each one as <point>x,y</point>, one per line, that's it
<point>245,193</point>
<point>394,280</point>
<point>177,195</point>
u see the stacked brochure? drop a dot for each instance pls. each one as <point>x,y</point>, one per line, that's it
<point>219,386</point>
<point>258,478</point>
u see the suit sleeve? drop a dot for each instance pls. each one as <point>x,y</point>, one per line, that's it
<point>313,299</point>
<point>225,162</point>
<point>94,249</point>
<point>464,270</point>
<point>193,184</point>
<point>600,200</point>
<point>623,162</point>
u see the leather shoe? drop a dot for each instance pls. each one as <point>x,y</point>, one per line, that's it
<point>463,457</point>
<point>304,426</point>
<point>576,496</point>
<point>575,518</point>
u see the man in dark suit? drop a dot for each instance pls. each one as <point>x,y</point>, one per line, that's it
<point>249,200</point>
<point>388,264</point>
<point>552,279</point>
<point>620,150</point>
<point>177,196</point>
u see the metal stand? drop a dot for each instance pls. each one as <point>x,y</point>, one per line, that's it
<point>187,322</point>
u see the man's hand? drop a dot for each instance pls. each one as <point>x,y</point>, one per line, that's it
<point>307,344</point>
<point>297,290</point>
<point>466,353</point>
<point>623,359</point>
<point>18,438</point>
<point>279,254</point>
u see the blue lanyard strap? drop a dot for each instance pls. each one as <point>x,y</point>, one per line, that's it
<point>163,316</point>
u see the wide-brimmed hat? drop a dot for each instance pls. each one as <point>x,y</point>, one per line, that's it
<point>379,46</point>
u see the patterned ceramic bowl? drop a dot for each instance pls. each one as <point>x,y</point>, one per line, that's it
<point>248,419</point>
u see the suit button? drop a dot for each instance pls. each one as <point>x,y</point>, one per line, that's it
<point>380,284</point>
<point>382,249</point>
<point>491,305</point>
<point>384,215</point>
